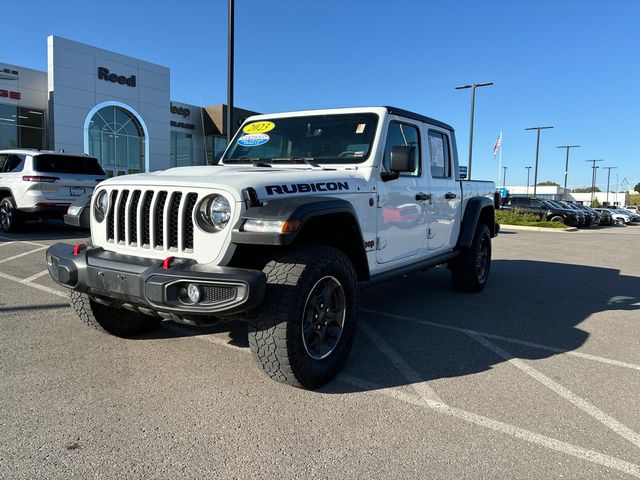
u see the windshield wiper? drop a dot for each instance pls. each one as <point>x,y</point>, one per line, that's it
<point>257,162</point>
<point>308,160</point>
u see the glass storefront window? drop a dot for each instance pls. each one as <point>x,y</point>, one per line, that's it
<point>181,149</point>
<point>116,138</point>
<point>215,148</point>
<point>21,127</point>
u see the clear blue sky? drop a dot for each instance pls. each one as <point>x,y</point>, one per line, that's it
<point>567,63</point>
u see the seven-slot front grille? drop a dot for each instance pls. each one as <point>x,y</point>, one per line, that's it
<point>160,219</point>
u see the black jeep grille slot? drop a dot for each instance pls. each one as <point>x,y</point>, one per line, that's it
<point>133,218</point>
<point>146,216</point>
<point>159,219</point>
<point>122,208</point>
<point>111,216</point>
<point>174,208</point>
<point>192,198</point>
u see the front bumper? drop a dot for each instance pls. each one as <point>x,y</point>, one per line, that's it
<point>144,284</point>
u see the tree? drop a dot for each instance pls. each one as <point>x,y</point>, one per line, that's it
<point>596,203</point>
<point>548,184</point>
<point>637,187</point>
<point>585,190</point>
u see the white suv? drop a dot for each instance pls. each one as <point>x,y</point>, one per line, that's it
<point>42,184</point>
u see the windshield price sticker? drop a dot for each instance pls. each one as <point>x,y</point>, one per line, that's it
<point>259,127</point>
<point>253,139</point>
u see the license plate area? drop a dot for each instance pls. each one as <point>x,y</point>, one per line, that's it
<point>77,191</point>
<point>115,282</point>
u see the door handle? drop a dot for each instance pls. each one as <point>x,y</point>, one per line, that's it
<point>421,197</point>
<point>449,195</point>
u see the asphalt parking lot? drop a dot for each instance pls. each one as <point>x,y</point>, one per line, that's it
<point>536,377</point>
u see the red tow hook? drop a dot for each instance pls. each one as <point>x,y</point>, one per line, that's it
<point>78,248</point>
<point>166,264</point>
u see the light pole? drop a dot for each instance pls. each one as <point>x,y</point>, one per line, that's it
<point>593,177</point>
<point>473,87</point>
<point>608,180</point>
<point>230,71</point>
<point>535,174</point>
<point>504,178</point>
<point>566,163</point>
<point>528,172</point>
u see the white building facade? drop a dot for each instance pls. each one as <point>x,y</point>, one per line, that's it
<point>111,106</point>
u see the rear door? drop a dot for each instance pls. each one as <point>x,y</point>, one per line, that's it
<point>65,177</point>
<point>401,213</point>
<point>445,192</point>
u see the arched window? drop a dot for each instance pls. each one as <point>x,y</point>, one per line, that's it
<point>116,138</point>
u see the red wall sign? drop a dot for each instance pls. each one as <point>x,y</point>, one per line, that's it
<point>9,94</point>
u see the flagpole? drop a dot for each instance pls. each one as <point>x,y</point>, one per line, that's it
<point>499,160</point>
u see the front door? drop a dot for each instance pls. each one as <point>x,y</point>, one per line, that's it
<point>445,192</point>
<point>401,216</point>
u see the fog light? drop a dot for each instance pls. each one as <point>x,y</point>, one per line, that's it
<point>193,292</point>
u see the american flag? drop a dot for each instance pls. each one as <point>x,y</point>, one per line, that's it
<point>496,147</point>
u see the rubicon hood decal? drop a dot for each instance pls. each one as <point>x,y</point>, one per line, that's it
<point>306,187</point>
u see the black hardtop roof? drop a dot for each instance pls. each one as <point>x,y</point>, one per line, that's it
<point>417,116</point>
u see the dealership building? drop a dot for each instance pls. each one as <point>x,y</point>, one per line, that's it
<point>111,106</point>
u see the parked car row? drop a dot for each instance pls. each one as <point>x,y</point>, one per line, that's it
<point>571,214</point>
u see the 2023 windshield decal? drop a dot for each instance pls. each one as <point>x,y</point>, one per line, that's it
<point>306,188</point>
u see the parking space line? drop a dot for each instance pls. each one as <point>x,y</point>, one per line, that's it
<point>23,254</point>
<point>6,243</point>
<point>590,409</point>
<point>43,288</point>
<point>418,383</point>
<point>11,240</point>
<point>35,277</point>
<point>586,356</point>
<point>499,426</point>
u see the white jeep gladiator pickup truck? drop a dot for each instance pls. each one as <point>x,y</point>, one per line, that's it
<point>303,209</point>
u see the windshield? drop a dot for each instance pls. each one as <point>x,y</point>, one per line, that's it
<point>343,138</point>
<point>67,164</point>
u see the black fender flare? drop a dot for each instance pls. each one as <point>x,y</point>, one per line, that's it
<point>300,208</point>
<point>472,212</point>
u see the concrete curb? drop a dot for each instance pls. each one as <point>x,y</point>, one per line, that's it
<point>537,229</point>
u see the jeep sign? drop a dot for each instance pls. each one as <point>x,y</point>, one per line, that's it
<point>103,74</point>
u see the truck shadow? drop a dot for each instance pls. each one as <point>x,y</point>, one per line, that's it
<point>531,301</point>
<point>45,230</point>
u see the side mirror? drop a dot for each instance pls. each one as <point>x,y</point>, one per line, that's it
<point>403,159</point>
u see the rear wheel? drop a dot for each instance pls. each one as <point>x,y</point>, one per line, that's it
<point>116,321</point>
<point>557,218</point>
<point>470,270</point>
<point>10,220</point>
<point>303,332</point>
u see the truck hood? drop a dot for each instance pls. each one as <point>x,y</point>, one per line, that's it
<point>267,182</point>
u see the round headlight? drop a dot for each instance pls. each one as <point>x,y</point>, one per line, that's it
<point>101,206</point>
<point>220,212</point>
<point>215,213</point>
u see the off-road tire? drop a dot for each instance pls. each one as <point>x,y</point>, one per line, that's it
<point>116,321</point>
<point>465,271</point>
<point>13,222</point>
<point>276,327</point>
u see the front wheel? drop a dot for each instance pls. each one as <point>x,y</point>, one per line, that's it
<point>557,218</point>
<point>303,332</point>
<point>470,270</point>
<point>116,321</point>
